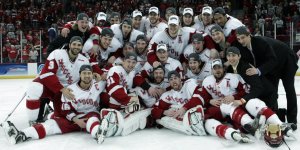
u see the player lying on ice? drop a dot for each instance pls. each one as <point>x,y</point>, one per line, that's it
<point>81,113</point>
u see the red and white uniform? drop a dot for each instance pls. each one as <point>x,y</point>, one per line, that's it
<point>85,101</point>
<point>175,45</point>
<point>152,30</point>
<point>57,73</point>
<point>172,64</point>
<point>204,55</point>
<point>85,105</point>
<point>229,28</point>
<point>202,28</point>
<point>119,82</point>
<point>231,84</point>
<point>231,24</point>
<point>148,100</point>
<point>176,99</point>
<point>102,54</point>
<point>119,34</point>
<point>204,72</point>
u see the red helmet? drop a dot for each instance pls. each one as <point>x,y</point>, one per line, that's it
<point>273,135</point>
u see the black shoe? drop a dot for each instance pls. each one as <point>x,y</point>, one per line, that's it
<point>294,127</point>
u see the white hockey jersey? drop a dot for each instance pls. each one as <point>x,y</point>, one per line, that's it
<point>152,30</point>
<point>204,55</point>
<point>175,45</point>
<point>202,28</point>
<point>85,100</point>
<point>227,86</point>
<point>119,83</point>
<point>178,98</point>
<point>204,72</point>
<point>59,68</point>
<point>138,67</point>
<point>172,64</point>
<point>119,34</point>
<point>148,100</point>
<point>231,24</point>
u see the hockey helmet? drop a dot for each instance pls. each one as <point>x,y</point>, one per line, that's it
<point>273,135</point>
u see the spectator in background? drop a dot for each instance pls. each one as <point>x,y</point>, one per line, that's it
<point>52,33</point>
<point>12,54</point>
<point>33,54</point>
<point>25,54</point>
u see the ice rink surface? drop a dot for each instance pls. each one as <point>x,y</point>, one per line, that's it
<point>11,92</point>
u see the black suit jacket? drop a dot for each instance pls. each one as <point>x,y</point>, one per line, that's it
<point>270,55</point>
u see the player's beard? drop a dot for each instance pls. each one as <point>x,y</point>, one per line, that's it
<point>87,80</point>
<point>158,79</point>
<point>219,75</point>
<point>74,51</point>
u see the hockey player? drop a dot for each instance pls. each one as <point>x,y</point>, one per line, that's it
<point>60,70</point>
<point>124,115</point>
<point>188,20</point>
<point>221,93</point>
<point>204,20</point>
<point>165,60</point>
<point>176,38</point>
<point>191,122</point>
<point>149,90</point>
<point>197,69</point>
<point>138,21</point>
<point>124,32</point>
<point>81,29</point>
<point>198,46</point>
<point>79,113</point>
<point>153,23</point>
<point>105,54</point>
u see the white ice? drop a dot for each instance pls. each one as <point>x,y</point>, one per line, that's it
<point>11,92</point>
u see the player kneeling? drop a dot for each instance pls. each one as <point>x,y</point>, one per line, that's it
<point>77,114</point>
<point>189,122</point>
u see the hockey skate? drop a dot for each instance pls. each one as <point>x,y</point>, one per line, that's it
<point>240,137</point>
<point>13,135</point>
<point>196,121</point>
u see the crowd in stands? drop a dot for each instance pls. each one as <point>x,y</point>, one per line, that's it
<point>38,22</point>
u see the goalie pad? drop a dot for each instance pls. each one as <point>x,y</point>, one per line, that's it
<point>135,121</point>
<point>115,121</point>
<point>194,119</point>
<point>192,123</point>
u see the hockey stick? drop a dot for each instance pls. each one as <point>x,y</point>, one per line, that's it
<point>14,109</point>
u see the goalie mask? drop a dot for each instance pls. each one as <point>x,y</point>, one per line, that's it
<point>273,135</point>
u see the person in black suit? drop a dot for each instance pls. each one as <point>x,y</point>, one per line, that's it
<point>260,87</point>
<point>274,60</point>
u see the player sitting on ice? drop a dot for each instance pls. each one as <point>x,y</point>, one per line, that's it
<point>60,70</point>
<point>221,93</point>
<point>124,115</point>
<point>191,122</point>
<point>80,112</point>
